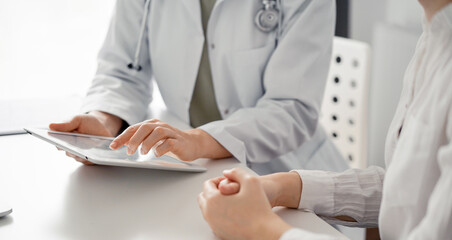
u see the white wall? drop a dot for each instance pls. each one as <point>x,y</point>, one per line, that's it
<point>392,28</point>
<point>50,46</point>
<point>48,54</point>
<point>364,14</point>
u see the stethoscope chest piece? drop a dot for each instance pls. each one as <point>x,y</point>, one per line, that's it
<point>267,18</point>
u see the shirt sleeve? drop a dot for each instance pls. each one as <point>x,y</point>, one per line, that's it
<point>298,234</point>
<point>116,89</point>
<point>294,79</point>
<point>354,193</point>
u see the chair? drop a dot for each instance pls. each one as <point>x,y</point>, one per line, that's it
<point>344,108</point>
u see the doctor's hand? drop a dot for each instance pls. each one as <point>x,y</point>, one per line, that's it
<point>246,214</point>
<point>93,123</point>
<point>164,138</point>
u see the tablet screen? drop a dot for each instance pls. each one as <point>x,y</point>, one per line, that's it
<point>94,147</point>
<point>97,149</point>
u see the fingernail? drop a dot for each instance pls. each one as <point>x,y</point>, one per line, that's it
<point>143,152</point>
<point>129,151</point>
<point>113,145</point>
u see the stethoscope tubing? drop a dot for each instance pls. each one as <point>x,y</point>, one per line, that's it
<point>270,7</point>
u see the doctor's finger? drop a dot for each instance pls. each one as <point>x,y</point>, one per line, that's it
<point>168,145</point>
<point>159,123</point>
<point>140,135</point>
<point>125,136</point>
<point>158,134</point>
<point>85,162</point>
<point>70,155</point>
<point>70,126</point>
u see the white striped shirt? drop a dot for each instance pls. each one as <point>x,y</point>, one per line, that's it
<point>413,198</point>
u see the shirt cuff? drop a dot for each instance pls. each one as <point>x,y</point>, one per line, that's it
<point>317,193</point>
<point>235,146</point>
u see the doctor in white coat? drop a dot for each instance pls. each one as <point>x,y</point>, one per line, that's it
<point>248,75</point>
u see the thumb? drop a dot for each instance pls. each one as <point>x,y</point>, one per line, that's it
<point>237,175</point>
<point>67,126</point>
<point>228,187</point>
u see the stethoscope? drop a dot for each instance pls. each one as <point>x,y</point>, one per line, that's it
<point>267,19</point>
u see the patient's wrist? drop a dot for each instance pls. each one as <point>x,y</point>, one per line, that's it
<point>290,187</point>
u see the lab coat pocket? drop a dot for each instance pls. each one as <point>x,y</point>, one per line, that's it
<point>412,155</point>
<point>248,68</point>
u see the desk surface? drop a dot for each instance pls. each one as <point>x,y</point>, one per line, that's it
<point>54,197</point>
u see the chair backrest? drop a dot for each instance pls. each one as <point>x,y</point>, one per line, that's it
<point>344,108</point>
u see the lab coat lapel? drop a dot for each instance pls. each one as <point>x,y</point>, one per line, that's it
<point>193,53</point>
<point>194,7</point>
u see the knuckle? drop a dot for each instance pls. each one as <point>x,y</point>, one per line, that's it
<point>132,128</point>
<point>146,127</point>
<point>153,120</point>
<point>205,184</point>
<point>170,143</point>
<point>253,180</point>
<point>159,130</point>
<point>234,171</point>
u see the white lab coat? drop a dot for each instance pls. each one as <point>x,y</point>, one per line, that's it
<point>268,91</point>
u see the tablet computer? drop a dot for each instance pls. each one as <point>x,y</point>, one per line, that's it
<point>96,149</point>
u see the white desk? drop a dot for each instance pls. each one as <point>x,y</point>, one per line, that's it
<point>54,197</point>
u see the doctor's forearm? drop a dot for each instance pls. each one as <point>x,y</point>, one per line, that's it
<point>207,146</point>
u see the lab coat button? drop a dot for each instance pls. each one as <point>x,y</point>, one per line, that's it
<point>212,46</point>
<point>226,111</point>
